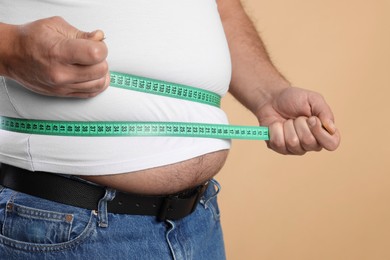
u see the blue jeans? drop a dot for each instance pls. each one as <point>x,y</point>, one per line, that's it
<point>34,228</point>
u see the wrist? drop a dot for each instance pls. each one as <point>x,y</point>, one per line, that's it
<point>7,47</point>
<point>256,89</point>
<point>269,93</point>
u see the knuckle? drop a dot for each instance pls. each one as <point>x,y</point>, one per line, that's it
<point>56,77</point>
<point>277,144</point>
<point>102,70</point>
<point>97,53</point>
<point>308,140</point>
<point>96,88</point>
<point>100,84</point>
<point>293,142</point>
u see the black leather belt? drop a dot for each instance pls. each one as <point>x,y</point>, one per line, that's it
<point>81,194</point>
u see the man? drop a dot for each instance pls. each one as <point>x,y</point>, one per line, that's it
<point>131,197</point>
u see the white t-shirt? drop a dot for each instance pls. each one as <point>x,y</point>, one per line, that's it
<point>179,41</point>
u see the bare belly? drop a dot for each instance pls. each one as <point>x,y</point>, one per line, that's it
<point>166,179</point>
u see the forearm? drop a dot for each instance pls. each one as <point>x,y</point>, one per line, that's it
<point>254,78</point>
<point>6,46</point>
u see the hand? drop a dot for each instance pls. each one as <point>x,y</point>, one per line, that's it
<point>53,58</point>
<point>299,121</point>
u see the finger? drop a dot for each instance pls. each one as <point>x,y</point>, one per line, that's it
<point>72,74</point>
<point>292,141</point>
<point>326,140</point>
<point>97,35</point>
<point>74,46</point>
<point>87,95</point>
<point>86,89</point>
<point>329,125</point>
<point>81,51</point>
<point>88,73</point>
<point>323,111</point>
<point>277,140</point>
<point>307,139</point>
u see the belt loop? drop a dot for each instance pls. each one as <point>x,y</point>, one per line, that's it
<point>218,186</point>
<point>102,208</point>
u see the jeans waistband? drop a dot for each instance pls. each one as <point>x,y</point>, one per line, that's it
<point>82,194</point>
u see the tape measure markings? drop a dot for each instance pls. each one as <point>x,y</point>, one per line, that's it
<point>95,129</point>
<point>163,88</point>
<point>152,86</point>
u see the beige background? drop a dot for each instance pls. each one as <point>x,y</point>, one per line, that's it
<point>322,205</point>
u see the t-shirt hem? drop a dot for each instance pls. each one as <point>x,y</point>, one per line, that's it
<point>99,168</point>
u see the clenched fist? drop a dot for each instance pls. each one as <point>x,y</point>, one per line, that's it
<point>51,57</point>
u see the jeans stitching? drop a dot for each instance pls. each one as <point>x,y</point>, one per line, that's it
<point>30,247</point>
<point>82,236</point>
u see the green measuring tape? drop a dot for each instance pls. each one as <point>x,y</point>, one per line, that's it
<point>163,88</point>
<point>174,129</point>
<point>89,129</point>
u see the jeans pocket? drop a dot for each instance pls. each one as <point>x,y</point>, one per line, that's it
<point>35,225</point>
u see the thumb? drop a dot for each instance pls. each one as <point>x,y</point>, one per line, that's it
<point>322,110</point>
<point>97,35</point>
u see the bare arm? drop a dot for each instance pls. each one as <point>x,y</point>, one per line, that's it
<point>51,57</point>
<point>295,116</point>
<point>253,71</point>
<point>6,40</point>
